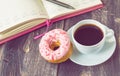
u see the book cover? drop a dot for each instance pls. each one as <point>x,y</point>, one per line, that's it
<point>27,15</point>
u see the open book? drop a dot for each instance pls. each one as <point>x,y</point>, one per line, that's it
<point>18,17</point>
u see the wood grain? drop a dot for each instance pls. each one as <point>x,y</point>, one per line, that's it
<point>20,57</point>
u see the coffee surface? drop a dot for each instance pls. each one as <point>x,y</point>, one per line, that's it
<point>88,34</point>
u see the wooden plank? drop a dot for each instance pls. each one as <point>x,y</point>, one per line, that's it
<point>20,57</point>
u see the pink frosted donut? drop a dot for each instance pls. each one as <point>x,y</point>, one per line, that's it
<point>55,46</point>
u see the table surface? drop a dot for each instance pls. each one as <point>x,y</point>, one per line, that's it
<point>20,57</point>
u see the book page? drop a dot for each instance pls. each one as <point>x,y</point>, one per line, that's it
<point>13,12</point>
<point>24,26</point>
<point>57,10</point>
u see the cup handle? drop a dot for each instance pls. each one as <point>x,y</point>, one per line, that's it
<point>109,34</point>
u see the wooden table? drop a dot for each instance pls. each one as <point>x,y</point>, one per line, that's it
<point>20,57</point>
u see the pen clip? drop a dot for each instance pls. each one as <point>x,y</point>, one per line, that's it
<point>61,4</point>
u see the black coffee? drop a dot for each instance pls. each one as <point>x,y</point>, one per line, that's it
<point>88,34</point>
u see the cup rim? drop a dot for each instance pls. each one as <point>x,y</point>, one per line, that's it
<point>89,21</point>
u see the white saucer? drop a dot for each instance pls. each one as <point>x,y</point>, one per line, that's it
<point>93,59</point>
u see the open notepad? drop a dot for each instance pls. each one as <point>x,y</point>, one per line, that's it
<point>18,17</point>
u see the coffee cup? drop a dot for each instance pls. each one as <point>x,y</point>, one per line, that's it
<point>89,36</point>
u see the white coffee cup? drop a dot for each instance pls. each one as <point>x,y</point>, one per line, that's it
<point>91,48</point>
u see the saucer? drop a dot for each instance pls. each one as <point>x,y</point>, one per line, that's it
<point>95,58</point>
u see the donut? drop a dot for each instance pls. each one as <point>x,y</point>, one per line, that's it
<point>55,46</point>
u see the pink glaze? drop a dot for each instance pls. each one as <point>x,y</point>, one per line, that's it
<point>53,36</point>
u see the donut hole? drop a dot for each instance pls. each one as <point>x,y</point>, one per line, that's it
<point>55,45</point>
